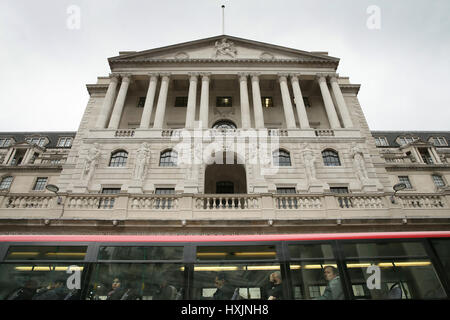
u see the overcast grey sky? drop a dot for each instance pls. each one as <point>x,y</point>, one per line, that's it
<point>402,66</point>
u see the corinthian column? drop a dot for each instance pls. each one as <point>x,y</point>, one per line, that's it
<point>343,110</point>
<point>329,107</point>
<point>120,102</point>
<point>107,102</point>
<point>148,106</point>
<point>192,99</point>
<point>204,100</point>
<point>162,101</point>
<point>301,110</point>
<point>287,104</point>
<point>245,105</point>
<point>257,104</point>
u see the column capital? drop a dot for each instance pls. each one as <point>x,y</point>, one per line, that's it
<point>333,77</point>
<point>153,75</point>
<point>294,77</point>
<point>255,76</point>
<point>321,77</point>
<point>282,77</point>
<point>205,76</point>
<point>114,76</point>
<point>193,76</point>
<point>165,75</point>
<point>242,76</point>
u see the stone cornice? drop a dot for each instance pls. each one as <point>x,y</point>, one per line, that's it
<point>215,61</point>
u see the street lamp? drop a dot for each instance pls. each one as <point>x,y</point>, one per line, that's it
<point>54,189</point>
<point>397,187</point>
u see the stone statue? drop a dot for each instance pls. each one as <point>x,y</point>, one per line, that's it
<point>359,163</point>
<point>225,47</point>
<point>308,159</point>
<point>142,158</point>
<point>90,163</point>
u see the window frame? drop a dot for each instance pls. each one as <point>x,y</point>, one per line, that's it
<point>64,141</point>
<point>330,158</point>
<point>221,103</point>
<point>118,159</point>
<point>2,181</point>
<point>406,181</point>
<point>39,183</point>
<point>277,155</point>
<point>441,178</point>
<point>171,154</point>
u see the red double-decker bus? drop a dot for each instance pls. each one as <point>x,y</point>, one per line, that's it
<point>394,265</point>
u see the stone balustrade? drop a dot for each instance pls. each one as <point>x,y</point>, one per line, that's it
<point>223,202</point>
<point>298,202</point>
<point>155,202</point>
<point>423,201</point>
<point>361,202</point>
<point>28,201</point>
<point>124,133</point>
<point>324,133</point>
<point>90,202</point>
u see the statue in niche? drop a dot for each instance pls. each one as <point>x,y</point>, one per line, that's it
<point>359,163</point>
<point>90,163</point>
<point>226,48</point>
<point>142,158</point>
<point>308,159</point>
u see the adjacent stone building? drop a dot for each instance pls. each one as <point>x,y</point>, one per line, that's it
<point>223,135</point>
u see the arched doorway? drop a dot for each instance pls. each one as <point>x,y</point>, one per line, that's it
<point>225,178</point>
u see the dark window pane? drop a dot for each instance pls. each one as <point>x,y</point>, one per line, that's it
<point>442,247</point>
<point>339,189</point>
<point>181,101</point>
<point>224,124</point>
<point>236,253</point>
<point>46,253</point>
<point>384,249</point>
<point>168,158</point>
<point>330,158</point>
<point>40,184</point>
<point>141,253</point>
<point>306,251</point>
<point>118,159</point>
<point>224,102</point>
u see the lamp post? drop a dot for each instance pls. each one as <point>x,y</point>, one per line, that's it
<point>397,187</point>
<point>55,189</point>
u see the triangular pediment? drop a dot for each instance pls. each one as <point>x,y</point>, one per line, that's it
<point>223,48</point>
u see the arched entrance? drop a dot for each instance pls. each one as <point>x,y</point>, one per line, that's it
<point>226,178</point>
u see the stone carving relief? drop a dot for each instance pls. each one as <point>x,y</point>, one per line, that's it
<point>90,163</point>
<point>308,160</point>
<point>181,55</point>
<point>359,164</point>
<point>266,56</point>
<point>224,47</point>
<point>142,160</point>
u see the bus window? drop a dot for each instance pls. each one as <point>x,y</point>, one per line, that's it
<point>40,281</point>
<point>46,253</point>
<point>137,281</point>
<point>378,273</point>
<point>238,281</point>
<point>141,253</point>
<point>236,253</point>
<point>442,247</point>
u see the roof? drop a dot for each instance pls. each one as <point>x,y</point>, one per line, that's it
<point>53,136</point>
<point>391,136</point>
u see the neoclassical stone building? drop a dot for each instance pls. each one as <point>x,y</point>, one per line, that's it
<point>223,135</point>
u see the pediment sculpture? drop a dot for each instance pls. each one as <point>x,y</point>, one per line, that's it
<point>224,47</point>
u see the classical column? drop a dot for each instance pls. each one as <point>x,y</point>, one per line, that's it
<point>120,102</point>
<point>287,104</point>
<point>329,107</point>
<point>162,101</point>
<point>192,100</point>
<point>300,104</point>
<point>257,103</point>
<point>245,104</point>
<point>342,107</point>
<point>107,102</point>
<point>204,100</point>
<point>149,101</point>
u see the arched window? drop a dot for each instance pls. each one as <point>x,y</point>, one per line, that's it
<point>169,158</point>
<point>330,158</point>
<point>5,183</point>
<point>224,124</point>
<point>438,180</point>
<point>118,159</point>
<point>281,158</point>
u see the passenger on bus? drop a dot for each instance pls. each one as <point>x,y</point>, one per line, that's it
<point>224,290</point>
<point>276,290</point>
<point>333,291</point>
<point>56,290</point>
<point>117,290</point>
<point>24,293</point>
<point>165,291</point>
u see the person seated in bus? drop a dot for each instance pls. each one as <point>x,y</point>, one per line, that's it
<point>333,291</point>
<point>224,290</point>
<point>117,290</point>
<point>165,291</point>
<point>26,292</point>
<point>276,290</point>
<point>56,290</point>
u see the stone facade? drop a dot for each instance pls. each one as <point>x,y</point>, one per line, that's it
<point>299,155</point>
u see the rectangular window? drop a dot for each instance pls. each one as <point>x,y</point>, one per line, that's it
<point>108,203</point>
<point>286,190</point>
<point>140,253</point>
<point>339,189</point>
<point>4,143</point>
<point>267,102</point>
<point>224,102</point>
<point>167,202</point>
<point>40,184</point>
<point>181,102</point>
<point>406,181</point>
<point>46,253</point>
<point>426,157</point>
<point>165,191</point>
<point>5,183</point>
<point>237,253</point>
<point>438,181</point>
<point>381,141</point>
<point>65,142</point>
<point>141,102</point>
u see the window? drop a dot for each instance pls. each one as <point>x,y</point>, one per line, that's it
<point>164,203</point>
<point>65,142</point>
<point>330,158</point>
<point>108,203</point>
<point>224,124</point>
<point>40,184</point>
<point>5,183</point>
<point>118,159</point>
<point>405,180</point>
<point>18,157</point>
<point>40,141</point>
<point>141,102</point>
<point>381,141</point>
<point>224,102</point>
<point>425,154</point>
<point>267,102</point>
<point>169,158</point>
<point>339,189</point>
<point>181,101</point>
<point>405,140</point>
<point>438,181</point>
<point>165,191</point>
<point>281,158</point>
<point>286,190</point>
<point>437,141</point>
<point>4,142</point>
<point>224,187</point>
